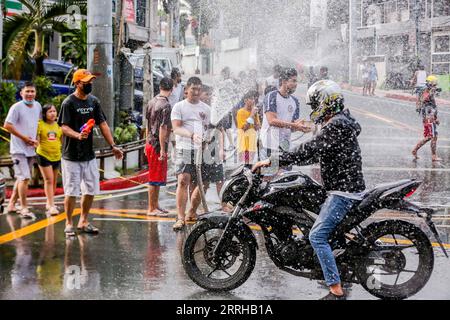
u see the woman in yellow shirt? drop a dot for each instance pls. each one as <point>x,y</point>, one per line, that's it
<point>248,124</point>
<point>49,153</point>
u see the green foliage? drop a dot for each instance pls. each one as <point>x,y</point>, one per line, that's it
<point>7,98</point>
<point>58,100</point>
<point>43,89</point>
<point>126,131</point>
<point>74,47</point>
<point>24,34</point>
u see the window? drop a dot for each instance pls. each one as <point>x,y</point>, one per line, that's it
<point>379,12</point>
<point>141,10</point>
<point>390,12</point>
<point>441,8</point>
<point>403,9</point>
<point>441,68</point>
<point>442,44</point>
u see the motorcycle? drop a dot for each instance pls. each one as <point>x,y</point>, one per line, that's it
<point>391,259</point>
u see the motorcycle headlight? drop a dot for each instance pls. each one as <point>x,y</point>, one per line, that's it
<point>234,189</point>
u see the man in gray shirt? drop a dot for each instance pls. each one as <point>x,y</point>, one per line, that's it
<point>22,122</point>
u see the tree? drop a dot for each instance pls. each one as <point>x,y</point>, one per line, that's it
<point>75,45</point>
<point>184,24</point>
<point>205,11</point>
<point>30,29</point>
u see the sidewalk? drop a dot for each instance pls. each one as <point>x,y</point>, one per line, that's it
<point>443,100</point>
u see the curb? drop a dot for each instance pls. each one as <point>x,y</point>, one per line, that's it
<point>397,96</point>
<point>120,183</point>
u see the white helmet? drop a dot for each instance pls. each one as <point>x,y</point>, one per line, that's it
<point>325,98</point>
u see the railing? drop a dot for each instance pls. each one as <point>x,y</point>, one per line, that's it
<point>101,154</point>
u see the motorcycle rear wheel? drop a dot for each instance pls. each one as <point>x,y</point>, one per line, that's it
<point>407,244</point>
<point>204,271</point>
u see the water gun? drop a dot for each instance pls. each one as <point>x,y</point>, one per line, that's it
<point>87,127</point>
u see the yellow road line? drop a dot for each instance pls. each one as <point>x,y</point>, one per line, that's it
<point>142,211</point>
<point>53,220</point>
<point>400,241</point>
<point>35,227</point>
<point>124,215</point>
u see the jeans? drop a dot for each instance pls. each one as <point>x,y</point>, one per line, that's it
<point>333,211</point>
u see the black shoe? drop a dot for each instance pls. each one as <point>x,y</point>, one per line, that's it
<point>332,296</point>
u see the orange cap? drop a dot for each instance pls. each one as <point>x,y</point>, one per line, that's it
<point>82,75</point>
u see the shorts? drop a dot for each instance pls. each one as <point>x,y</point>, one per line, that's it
<point>80,177</point>
<point>44,162</point>
<point>157,169</point>
<point>214,173</point>
<point>185,163</point>
<point>22,166</point>
<point>430,130</point>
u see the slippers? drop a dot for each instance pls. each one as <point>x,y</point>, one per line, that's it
<point>179,225</point>
<point>89,228</point>
<point>190,219</point>
<point>70,232</point>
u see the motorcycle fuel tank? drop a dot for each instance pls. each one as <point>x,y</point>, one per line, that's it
<point>295,189</point>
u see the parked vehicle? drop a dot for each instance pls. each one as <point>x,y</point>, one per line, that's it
<point>163,61</point>
<point>391,259</point>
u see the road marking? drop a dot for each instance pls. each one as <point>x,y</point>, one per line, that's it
<point>392,122</point>
<point>134,217</point>
<point>406,169</point>
<point>396,145</point>
<point>401,241</point>
<point>120,219</point>
<point>35,227</point>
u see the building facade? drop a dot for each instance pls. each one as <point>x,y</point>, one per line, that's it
<point>399,34</point>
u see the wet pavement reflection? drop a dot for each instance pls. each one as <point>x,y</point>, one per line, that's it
<point>135,257</point>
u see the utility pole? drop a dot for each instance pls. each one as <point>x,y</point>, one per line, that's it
<point>118,42</point>
<point>352,40</point>
<point>1,39</point>
<point>99,54</point>
<point>416,18</point>
<point>148,78</point>
<point>154,29</point>
<point>176,24</point>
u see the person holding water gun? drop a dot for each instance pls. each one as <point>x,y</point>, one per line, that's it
<point>79,166</point>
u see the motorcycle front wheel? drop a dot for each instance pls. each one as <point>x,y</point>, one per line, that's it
<point>399,262</point>
<point>232,269</point>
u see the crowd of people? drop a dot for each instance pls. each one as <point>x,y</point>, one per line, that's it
<point>262,126</point>
<point>58,142</point>
<point>265,116</point>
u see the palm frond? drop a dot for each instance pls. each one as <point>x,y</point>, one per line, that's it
<point>15,25</point>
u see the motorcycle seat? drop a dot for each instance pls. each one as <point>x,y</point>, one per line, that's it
<point>372,195</point>
<point>390,185</point>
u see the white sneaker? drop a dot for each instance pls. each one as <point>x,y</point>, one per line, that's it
<point>27,214</point>
<point>53,211</point>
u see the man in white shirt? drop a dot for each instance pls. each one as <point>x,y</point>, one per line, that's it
<point>178,89</point>
<point>22,122</point>
<point>190,121</point>
<point>281,115</point>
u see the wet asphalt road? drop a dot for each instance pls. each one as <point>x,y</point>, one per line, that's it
<point>135,257</point>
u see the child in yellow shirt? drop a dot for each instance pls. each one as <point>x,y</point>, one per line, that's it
<point>248,124</point>
<point>49,153</point>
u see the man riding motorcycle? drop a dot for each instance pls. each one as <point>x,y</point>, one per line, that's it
<point>337,150</point>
